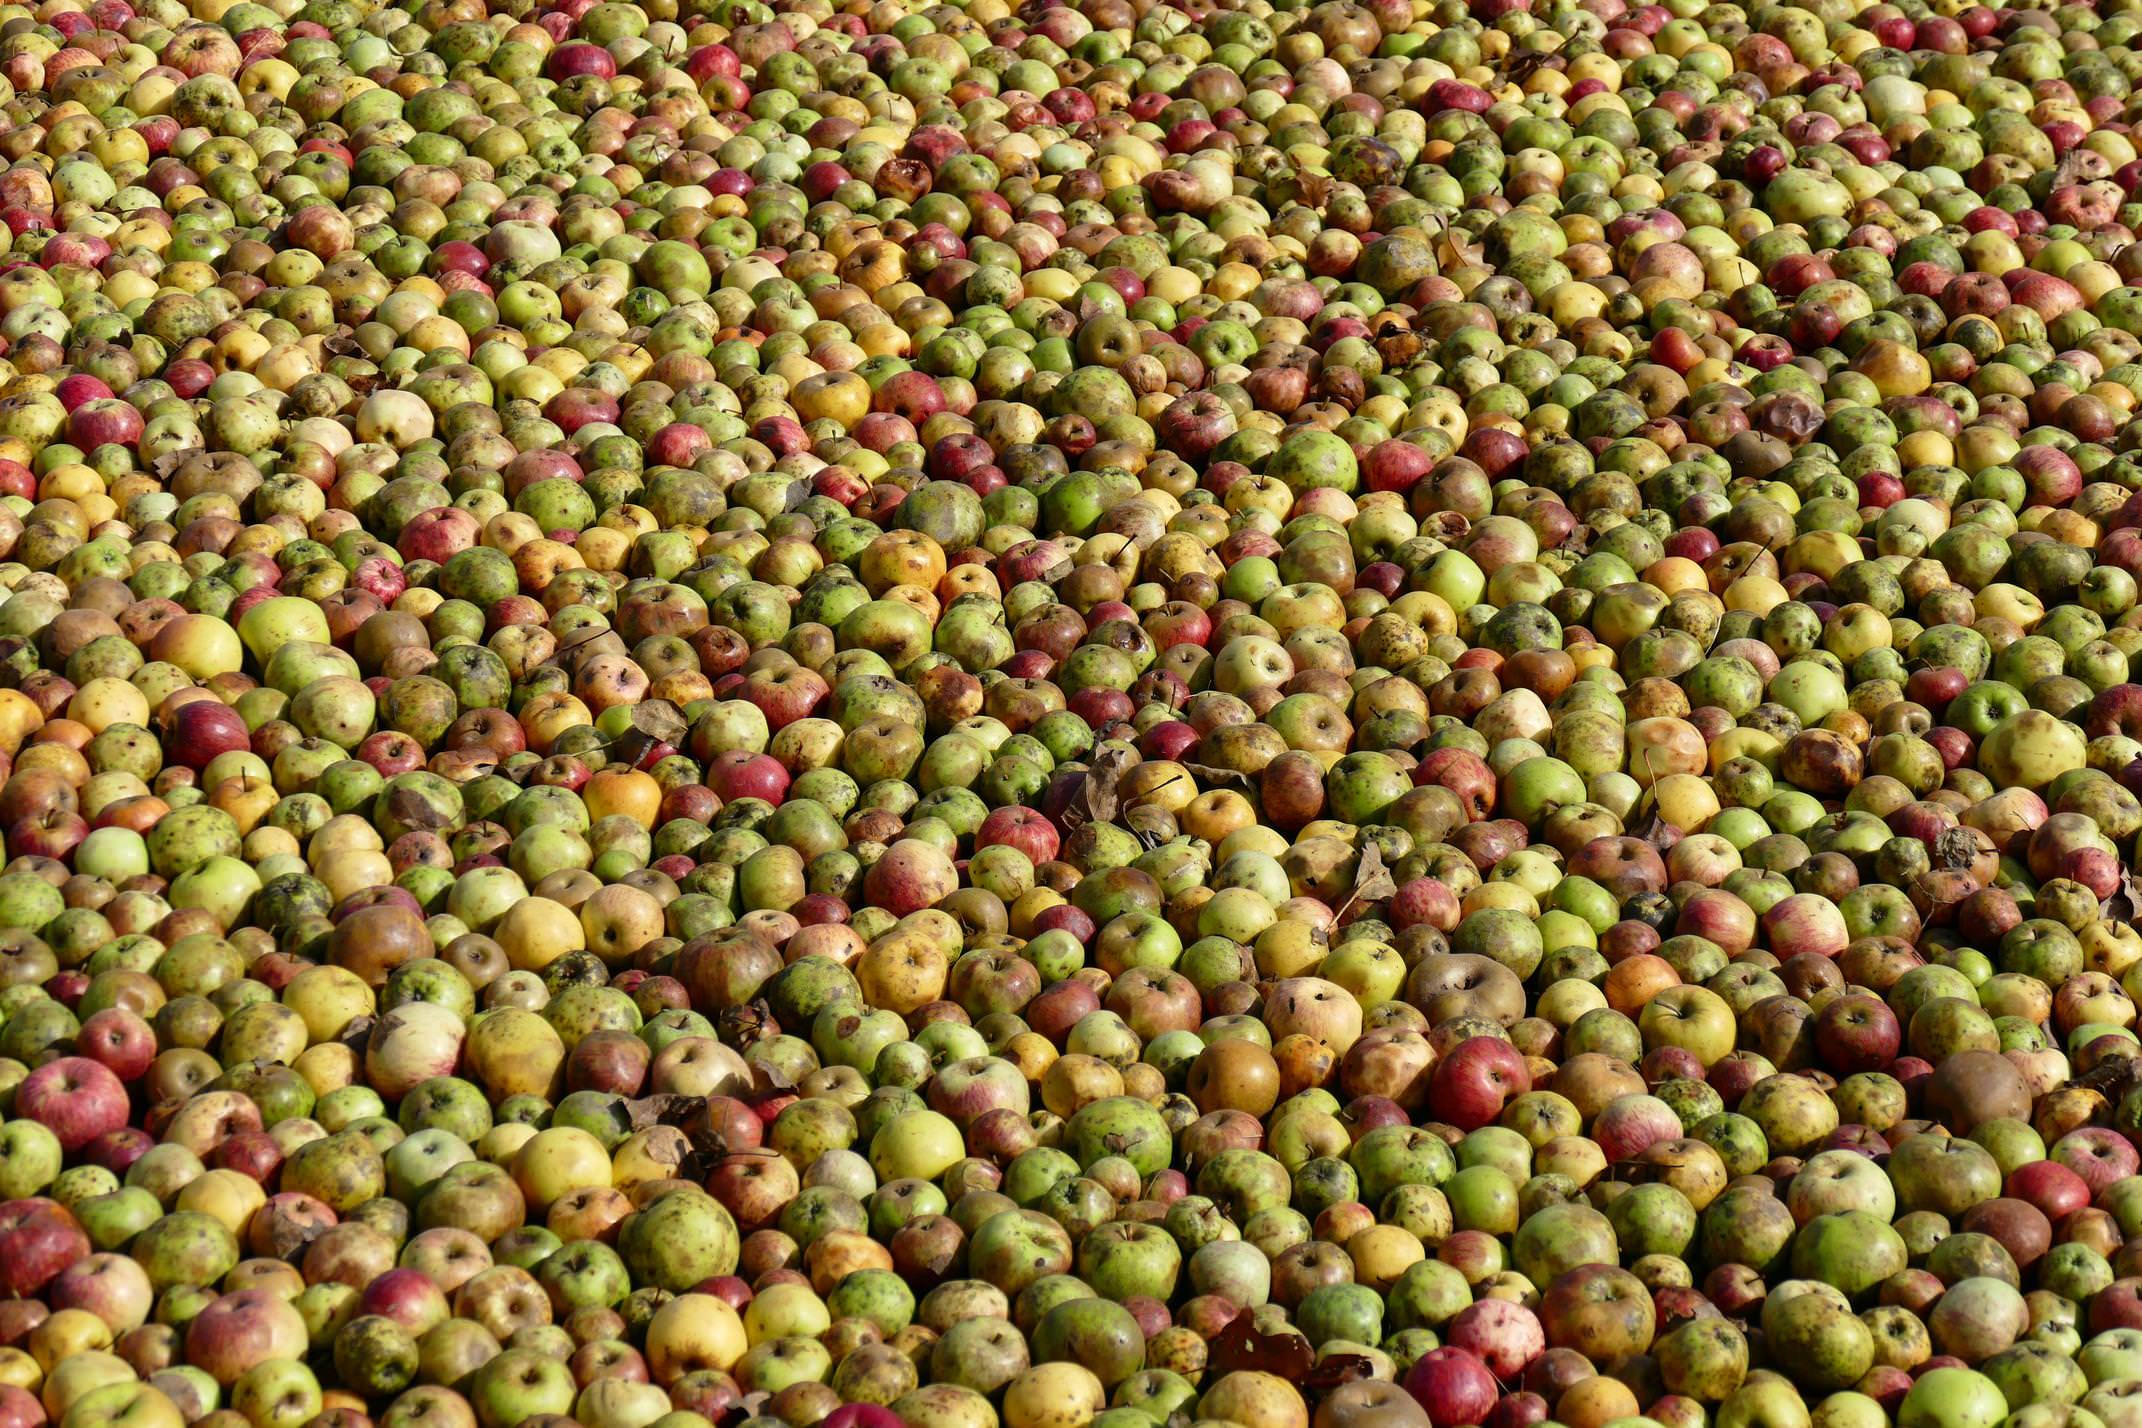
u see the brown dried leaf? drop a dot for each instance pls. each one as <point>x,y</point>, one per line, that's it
<point>770,1080</point>
<point>1651,828</point>
<point>1098,791</point>
<point>1152,826</point>
<point>1521,65</point>
<point>664,1110</point>
<point>1240,1346</point>
<point>660,720</point>
<point>709,1146</point>
<point>2111,1078</point>
<point>1338,1370</point>
<point>1209,777</point>
<point>700,1165</point>
<point>628,748</point>
<point>2125,901</point>
<point>1372,880</point>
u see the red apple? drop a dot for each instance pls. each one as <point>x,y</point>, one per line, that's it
<point>1474,1082</point>
<point>119,1040</point>
<point>1454,1386</point>
<point>75,1098</point>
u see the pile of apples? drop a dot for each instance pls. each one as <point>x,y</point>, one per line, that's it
<point>1116,714</point>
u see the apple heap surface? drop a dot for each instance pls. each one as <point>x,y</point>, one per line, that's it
<point>1070,714</point>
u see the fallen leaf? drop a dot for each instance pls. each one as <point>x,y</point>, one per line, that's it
<point>1240,1346</point>
<point>1372,880</point>
<point>770,1080</point>
<point>1523,63</point>
<point>1097,798</point>
<point>1152,825</point>
<point>709,1149</point>
<point>661,721</point>
<point>2125,901</point>
<point>2111,1078</point>
<point>1210,777</point>
<point>1338,1370</point>
<point>664,1110</point>
<point>1652,829</point>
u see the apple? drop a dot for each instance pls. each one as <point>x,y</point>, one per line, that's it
<point>1473,1083</point>
<point>1453,1386</point>
<point>38,1240</point>
<point>78,1099</point>
<point>693,1332</point>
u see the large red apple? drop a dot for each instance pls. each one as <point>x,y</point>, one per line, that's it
<point>119,1040</point>
<point>203,729</point>
<point>1857,1033</point>
<point>75,1098</point>
<point>2050,1186</point>
<point>1022,828</point>
<point>1504,1336</point>
<point>1475,1081</point>
<point>1454,1386</point>
<point>38,1239</point>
